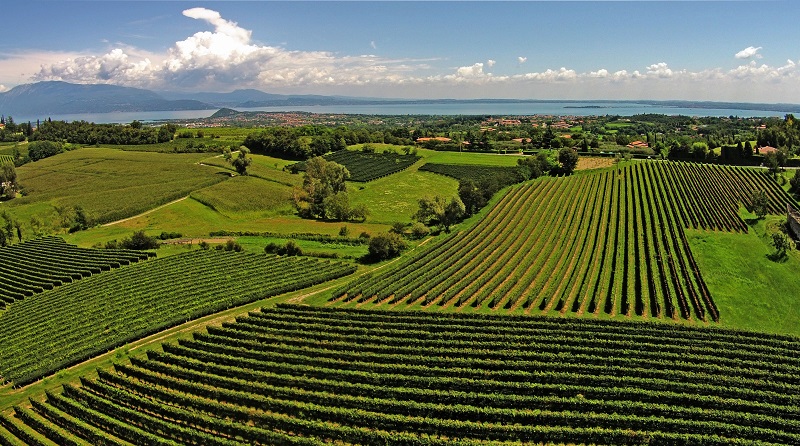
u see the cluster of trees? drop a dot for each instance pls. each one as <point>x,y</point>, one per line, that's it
<point>138,240</point>
<point>324,193</point>
<point>13,132</point>
<point>82,132</point>
<point>43,149</point>
<point>300,143</point>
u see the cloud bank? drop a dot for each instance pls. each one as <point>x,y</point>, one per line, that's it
<point>227,58</point>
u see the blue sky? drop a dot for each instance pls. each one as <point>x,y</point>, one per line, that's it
<point>696,50</point>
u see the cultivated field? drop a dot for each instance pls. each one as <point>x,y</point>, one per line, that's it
<point>108,184</point>
<point>606,243</point>
<point>304,376</point>
<point>57,328</point>
<point>43,264</point>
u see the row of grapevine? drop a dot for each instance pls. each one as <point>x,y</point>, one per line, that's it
<point>708,196</point>
<point>312,376</point>
<point>6,159</point>
<point>42,264</point>
<point>607,241</point>
<point>71,323</point>
<point>505,175</point>
<point>368,166</point>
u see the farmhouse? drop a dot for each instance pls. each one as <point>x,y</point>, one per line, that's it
<point>638,145</point>
<point>766,149</point>
<point>438,138</point>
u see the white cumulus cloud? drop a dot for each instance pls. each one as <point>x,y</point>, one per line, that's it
<point>521,59</point>
<point>490,63</point>
<point>748,53</point>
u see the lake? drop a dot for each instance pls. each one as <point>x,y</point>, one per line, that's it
<point>452,109</point>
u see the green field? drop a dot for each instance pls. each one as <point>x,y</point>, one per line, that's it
<point>246,196</point>
<point>109,184</point>
<point>396,198</point>
<point>751,290</point>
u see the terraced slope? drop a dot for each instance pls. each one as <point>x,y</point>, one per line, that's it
<point>60,327</point>
<point>37,265</point>
<point>610,242</point>
<point>313,376</point>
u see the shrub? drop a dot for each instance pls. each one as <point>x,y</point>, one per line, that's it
<point>419,230</point>
<point>140,241</point>
<point>386,245</point>
<point>290,249</point>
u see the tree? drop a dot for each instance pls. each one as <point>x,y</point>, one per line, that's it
<point>242,161</point>
<point>438,211</point>
<point>760,203</point>
<point>568,159</point>
<point>795,183</point>
<point>772,161</point>
<point>386,245</point>
<point>781,243</point>
<point>471,196</point>
<point>8,181</point>
<point>324,193</point>
<point>140,241</point>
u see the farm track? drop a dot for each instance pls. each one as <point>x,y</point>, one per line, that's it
<point>145,212</point>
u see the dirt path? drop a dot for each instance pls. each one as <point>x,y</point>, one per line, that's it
<point>145,212</point>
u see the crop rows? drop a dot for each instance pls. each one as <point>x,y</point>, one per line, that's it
<point>708,196</point>
<point>6,159</point>
<point>368,166</point>
<point>605,242</point>
<point>311,376</point>
<point>505,175</point>
<point>37,265</point>
<point>71,323</point>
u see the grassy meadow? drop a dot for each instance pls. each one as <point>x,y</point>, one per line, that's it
<point>752,291</point>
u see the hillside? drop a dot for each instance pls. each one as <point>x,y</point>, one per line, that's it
<point>58,98</point>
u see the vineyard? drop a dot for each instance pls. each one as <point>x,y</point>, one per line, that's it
<point>313,376</point>
<point>610,243</point>
<point>60,327</point>
<point>42,264</point>
<point>6,159</point>
<point>368,166</point>
<point>503,174</point>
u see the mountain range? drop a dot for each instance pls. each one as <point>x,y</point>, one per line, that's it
<point>61,98</point>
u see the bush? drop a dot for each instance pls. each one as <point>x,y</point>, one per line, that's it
<point>290,249</point>
<point>385,246</point>
<point>230,245</point>
<point>419,230</point>
<point>140,241</point>
<point>170,235</point>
